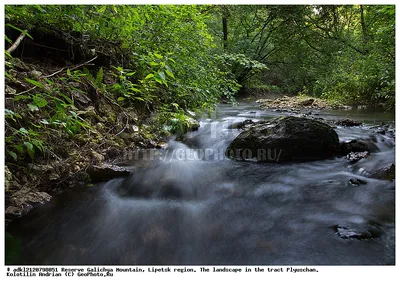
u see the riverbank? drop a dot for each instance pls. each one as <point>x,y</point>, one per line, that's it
<point>298,103</point>
<point>63,128</point>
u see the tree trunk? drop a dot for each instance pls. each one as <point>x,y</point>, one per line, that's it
<point>225,26</point>
<point>364,28</point>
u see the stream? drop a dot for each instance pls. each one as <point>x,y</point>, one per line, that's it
<point>189,205</point>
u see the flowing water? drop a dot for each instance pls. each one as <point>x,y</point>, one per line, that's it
<point>188,204</point>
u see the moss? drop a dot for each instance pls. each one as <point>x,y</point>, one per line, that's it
<point>100,128</point>
<point>108,111</point>
<point>7,178</point>
<point>90,113</point>
<point>125,136</point>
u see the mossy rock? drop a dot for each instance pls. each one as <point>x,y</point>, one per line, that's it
<point>287,139</point>
<point>386,173</point>
<point>108,111</point>
<point>18,64</point>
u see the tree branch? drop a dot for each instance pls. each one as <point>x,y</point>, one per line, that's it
<point>17,42</point>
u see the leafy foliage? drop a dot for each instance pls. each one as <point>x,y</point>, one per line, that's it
<point>179,58</point>
<point>48,110</point>
<point>342,52</point>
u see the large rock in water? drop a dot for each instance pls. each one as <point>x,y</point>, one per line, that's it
<point>288,139</point>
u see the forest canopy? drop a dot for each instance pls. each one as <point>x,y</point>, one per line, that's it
<point>193,54</point>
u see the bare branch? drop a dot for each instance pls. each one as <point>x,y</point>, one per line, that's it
<point>17,42</point>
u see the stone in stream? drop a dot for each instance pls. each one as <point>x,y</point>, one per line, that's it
<point>362,234</point>
<point>354,157</point>
<point>287,139</point>
<point>106,172</point>
<point>348,122</point>
<point>386,173</point>
<point>242,124</point>
<point>356,181</point>
<point>193,124</point>
<point>353,146</point>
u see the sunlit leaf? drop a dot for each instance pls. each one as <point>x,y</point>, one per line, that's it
<point>33,107</point>
<point>13,154</point>
<point>169,73</point>
<point>162,75</point>
<point>34,82</point>
<point>149,76</point>
<point>39,101</point>
<point>23,130</point>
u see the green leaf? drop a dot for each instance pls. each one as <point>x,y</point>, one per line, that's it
<point>162,75</point>
<point>39,101</point>
<point>130,74</point>
<point>116,87</point>
<point>85,125</point>
<point>38,144</point>
<point>158,55</point>
<point>22,31</point>
<point>44,121</point>
<point>73,113</point>
<point>168,68</point>
<point>66,98</point>
<point>49,81</point>
<point>8,39</point>
<point>13,154</point>
<point>68,72</point>
<point>136,90</point>
<point>31,150</point>
<point>102,9</point>
<point>23,130</point>
<point>152,63</point>
<point>7,75</point>
<point>99,76</point>
<point>149,76</point>
<point>8,111</point>
<point>120,99</point>
<point>19,148</point>
<point>33,107</point>
<point>169,73</point>
<point>20,97</point>
<point>34,82</point>
<point>36,125</point>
